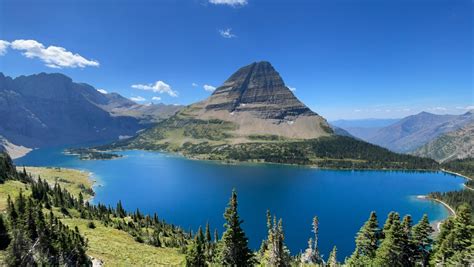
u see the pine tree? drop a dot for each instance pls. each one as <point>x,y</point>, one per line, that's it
<point>275,252</point>
<point>390,251</point>
<point>209,246</point>
<point>195,255</point>
<point>234,250</point>
<point>406,240</point>
<point>4,237</point>
<point>332,260</point>
<point>366,242</point>
<point>455,245</point>
<point>421,241</point>
<point>311,254</point>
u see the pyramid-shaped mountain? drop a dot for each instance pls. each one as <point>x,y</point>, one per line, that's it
<point>255,117</point>
<point>258,102</point>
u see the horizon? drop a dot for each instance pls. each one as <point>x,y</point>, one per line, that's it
<point>419,52</point>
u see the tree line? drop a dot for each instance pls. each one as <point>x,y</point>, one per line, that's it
<point>32,234</point>
<point>398,243</point>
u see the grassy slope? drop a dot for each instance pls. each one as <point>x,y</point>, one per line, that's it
<point>11,188</point>
<point>74,181</point>
<point>115,247</point>
<point>112,246</point>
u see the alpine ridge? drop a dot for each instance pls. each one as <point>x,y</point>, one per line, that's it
<point>256,99</point>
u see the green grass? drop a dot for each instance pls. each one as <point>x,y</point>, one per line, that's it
<point>117,248</point>
<point>74,181</point>
<point>11,188</point>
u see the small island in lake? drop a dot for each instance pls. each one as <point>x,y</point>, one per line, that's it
<point>91,154</point>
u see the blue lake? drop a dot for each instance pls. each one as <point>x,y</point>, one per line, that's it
<point>189,193</point>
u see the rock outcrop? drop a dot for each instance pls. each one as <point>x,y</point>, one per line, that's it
<point>256,99</point>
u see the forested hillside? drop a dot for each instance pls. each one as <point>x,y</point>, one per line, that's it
<point>42,227</point>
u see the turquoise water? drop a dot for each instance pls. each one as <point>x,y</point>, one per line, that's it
<point>190,193</point>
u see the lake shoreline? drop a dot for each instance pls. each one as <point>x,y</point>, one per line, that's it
<point>255,162</point>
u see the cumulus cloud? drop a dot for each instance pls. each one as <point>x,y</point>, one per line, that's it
<point>157,87</point>
<point>227,33</point>
<point>137,98</point>
<point>102,91</point>
<point>232,3</point>
<point>292,88</point>
<point>53,56</point>
<point>209,88</point>
<point>3,47</point>
<point>156,98</point>
<point>195,84</point>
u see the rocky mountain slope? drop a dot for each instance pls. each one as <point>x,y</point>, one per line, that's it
<point>257,101</point>
<point>253,104</point>
<point>51,109</point>
<point>413,131</point>
<point>253,116</point>
<point>363,128</point>
<point>458,144</point>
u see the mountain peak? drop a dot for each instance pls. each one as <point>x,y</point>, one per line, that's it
<point>259,89</point>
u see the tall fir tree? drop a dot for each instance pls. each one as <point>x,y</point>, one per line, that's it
<point>234,250</point>
<point>390,251</point>
<point>4,236</point>
<point>275,252</point>
<point>366,242</point>
<point>195,255</point>
<point>406,239</point>
<point>311,254</point>
<point>332,260</point>
<point>422,241</point>
<point>455,244</point>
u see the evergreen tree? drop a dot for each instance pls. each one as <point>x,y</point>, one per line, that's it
<point>234,250</point>
<point>311,254</point>
<point>406,240</point>
<point>421,241</point>
<point>390,252</point>
<point>275,252</point>
<point>455,245</point>
<point>366,242</point>
<point>332,260</point>
<point>195,255</point>
<point>4,237</point>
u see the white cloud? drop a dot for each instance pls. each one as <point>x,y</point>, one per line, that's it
<point>53,56</point>
<point>292,88</point>
<point>229,2</point>
<point>156,98</point>
<point>438,109</point>
<point>195,84</point>
<point>227,33</point>
<point>209,88</point>
<point>137,98</point>
<point>466,108</point>
<point>102,91</point>
<point>3,47</point>
<point>157,87</point>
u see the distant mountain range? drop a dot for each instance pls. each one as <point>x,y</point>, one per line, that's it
<point>255,117</point>
<point>409,134</point>
<point>50,109</point>
<point>363,128</point>
<point>458,144</point>
<point>414,131</point>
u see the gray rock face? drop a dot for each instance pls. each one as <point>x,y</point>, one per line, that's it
<point>458,144</point>
<point>50,109</point>
<point>256,100</point>
<point>259,89</point>
<point>413,131</point>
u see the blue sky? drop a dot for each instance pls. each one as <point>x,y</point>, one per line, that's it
<point>347,59</point>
